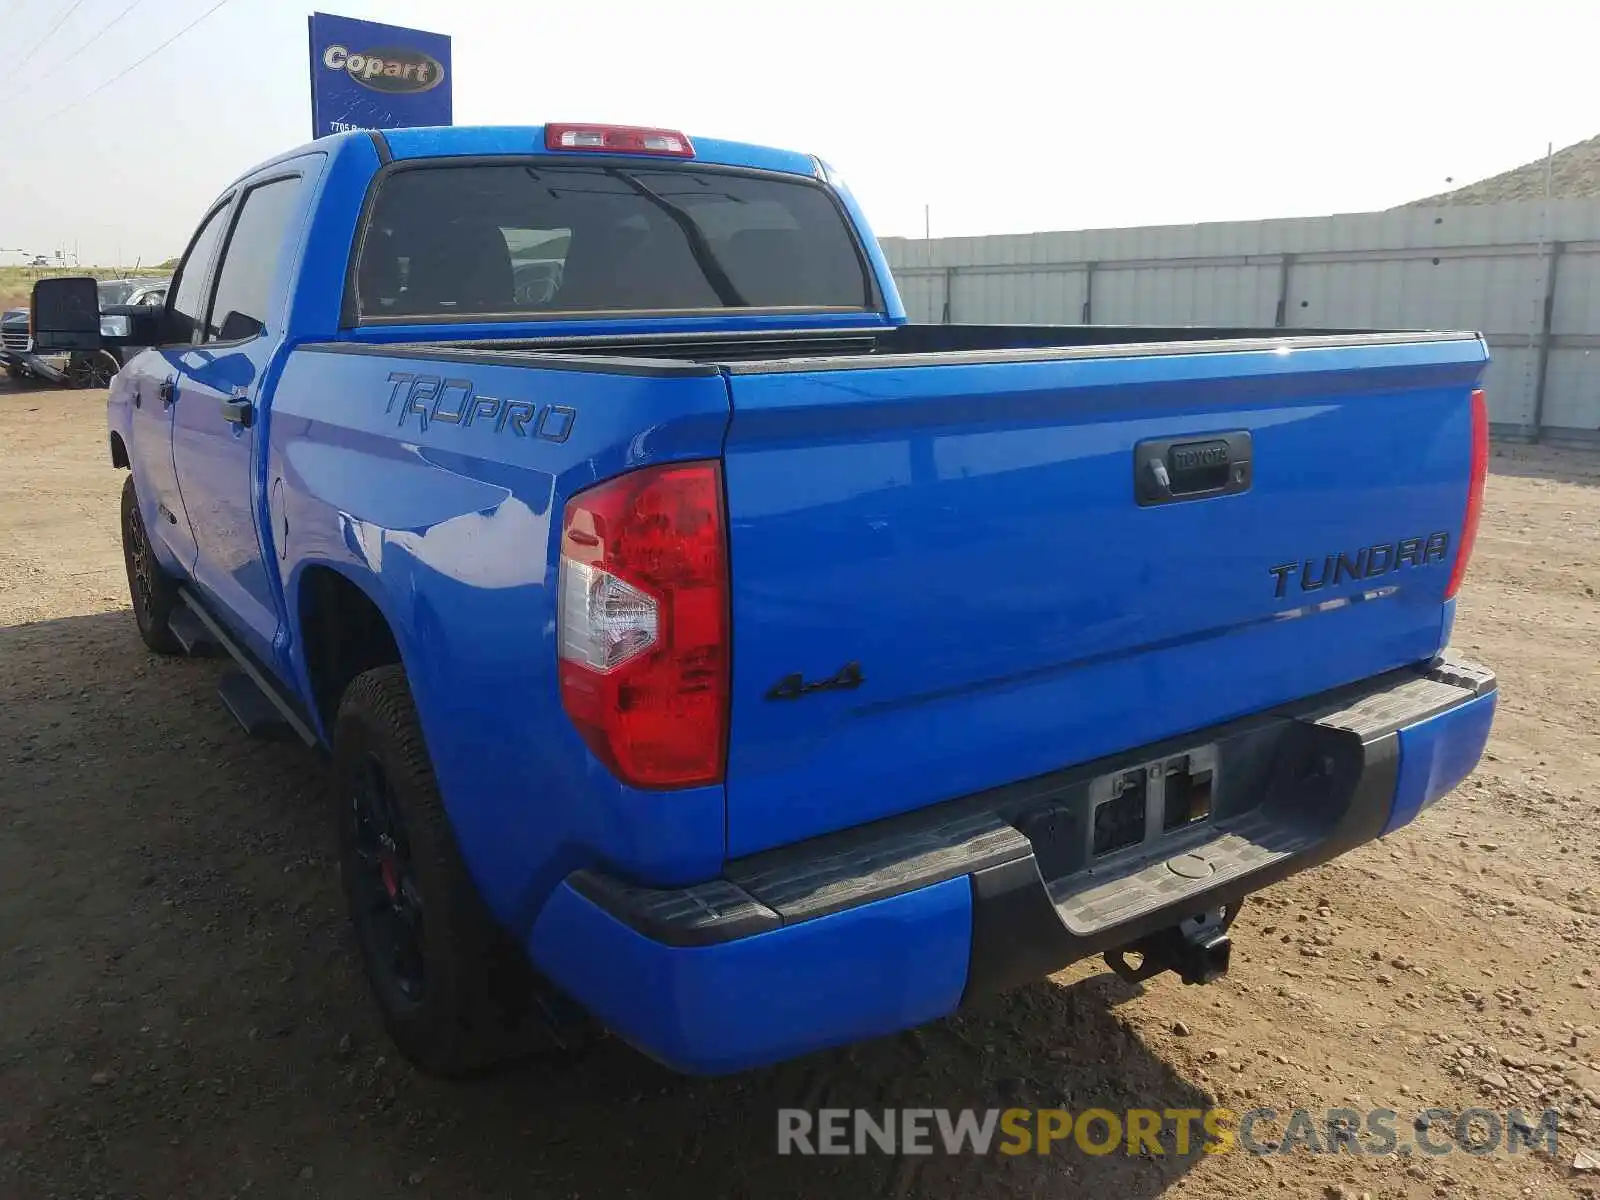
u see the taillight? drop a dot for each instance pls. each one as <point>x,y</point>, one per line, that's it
<point>1480,471</point>
<point>643,624</point>
<point>618,139</point>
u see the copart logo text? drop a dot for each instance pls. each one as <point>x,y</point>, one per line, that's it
<point>387,70</point>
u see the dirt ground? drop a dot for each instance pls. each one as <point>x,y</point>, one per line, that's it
<point>181,1012</point>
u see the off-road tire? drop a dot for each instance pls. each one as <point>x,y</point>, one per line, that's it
<point>478,1003</point>
<point>154,593</point>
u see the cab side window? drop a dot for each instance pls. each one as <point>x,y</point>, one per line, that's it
<point>244,292</point>
<point>188,289</point>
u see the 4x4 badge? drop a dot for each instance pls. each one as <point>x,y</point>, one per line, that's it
<point>792,687</point>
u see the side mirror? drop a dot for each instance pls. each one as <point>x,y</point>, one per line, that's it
<point>236,327</point>
<point>66,314</point>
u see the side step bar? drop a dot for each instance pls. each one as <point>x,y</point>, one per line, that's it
<point>251,708</point>
<point>192,634</point>
<point>255,701</point>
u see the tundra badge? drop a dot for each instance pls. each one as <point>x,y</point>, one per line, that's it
<point>1366,563</point>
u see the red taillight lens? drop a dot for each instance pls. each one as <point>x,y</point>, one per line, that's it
<point>643,624</point>
<point>618,139</point>
<point>1480,472</point>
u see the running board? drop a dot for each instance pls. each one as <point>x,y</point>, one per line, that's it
<point>192,634</point>
<point>249,691</point>
<point>251,708</point>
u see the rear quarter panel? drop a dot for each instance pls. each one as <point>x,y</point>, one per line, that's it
<point>452,528</point>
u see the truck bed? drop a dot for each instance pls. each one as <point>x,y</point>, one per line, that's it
<point>955,539</point>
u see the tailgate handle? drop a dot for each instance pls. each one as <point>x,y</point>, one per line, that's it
<point>1169,470</point>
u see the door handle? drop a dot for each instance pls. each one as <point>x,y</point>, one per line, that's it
<point>168,391</point>
<point>239,412</point>
<point>1171,470</point>
<point>1160,482</point>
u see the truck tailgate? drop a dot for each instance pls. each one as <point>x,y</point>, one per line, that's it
<point>944,578</point>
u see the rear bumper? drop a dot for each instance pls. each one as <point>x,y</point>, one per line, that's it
<point>877,929</point>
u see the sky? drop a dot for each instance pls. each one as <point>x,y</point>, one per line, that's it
<point>999,117</point>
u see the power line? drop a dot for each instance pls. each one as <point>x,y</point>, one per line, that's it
<point>103,30</point>
<point>133,66</point>
<point>60,21</point>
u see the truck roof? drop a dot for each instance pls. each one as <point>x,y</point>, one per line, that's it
<point>443,141</point>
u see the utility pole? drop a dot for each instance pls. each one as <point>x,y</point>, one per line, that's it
<point>1549,252</point>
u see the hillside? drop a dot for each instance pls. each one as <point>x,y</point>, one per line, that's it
<point>1574,174</point>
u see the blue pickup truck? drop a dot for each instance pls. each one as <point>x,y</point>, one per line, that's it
<point>706,652</point>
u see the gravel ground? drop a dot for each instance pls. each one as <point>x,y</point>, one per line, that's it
<point>181,1012</point>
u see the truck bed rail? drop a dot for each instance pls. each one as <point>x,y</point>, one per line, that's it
<point>766,351</point>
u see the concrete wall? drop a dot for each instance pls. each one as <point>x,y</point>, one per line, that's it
<point>1527,275</point>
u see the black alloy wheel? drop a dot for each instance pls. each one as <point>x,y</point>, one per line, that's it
<point>151,590</point>
<point>387,899</point>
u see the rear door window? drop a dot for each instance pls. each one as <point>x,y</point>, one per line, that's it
<point>449,241</point>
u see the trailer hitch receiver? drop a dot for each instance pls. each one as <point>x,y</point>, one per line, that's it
<point>1197,949</point>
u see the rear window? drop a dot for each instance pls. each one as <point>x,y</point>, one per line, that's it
<point>528,239</point>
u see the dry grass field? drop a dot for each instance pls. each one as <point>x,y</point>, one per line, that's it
<point>16,283</point>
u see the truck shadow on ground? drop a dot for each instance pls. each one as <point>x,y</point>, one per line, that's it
<point>185,1015</point>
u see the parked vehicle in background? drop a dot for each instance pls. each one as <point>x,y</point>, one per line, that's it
<point>150,291</point>
<point>16,343</point>
<point>703,647</point>
<point>92,368</point>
